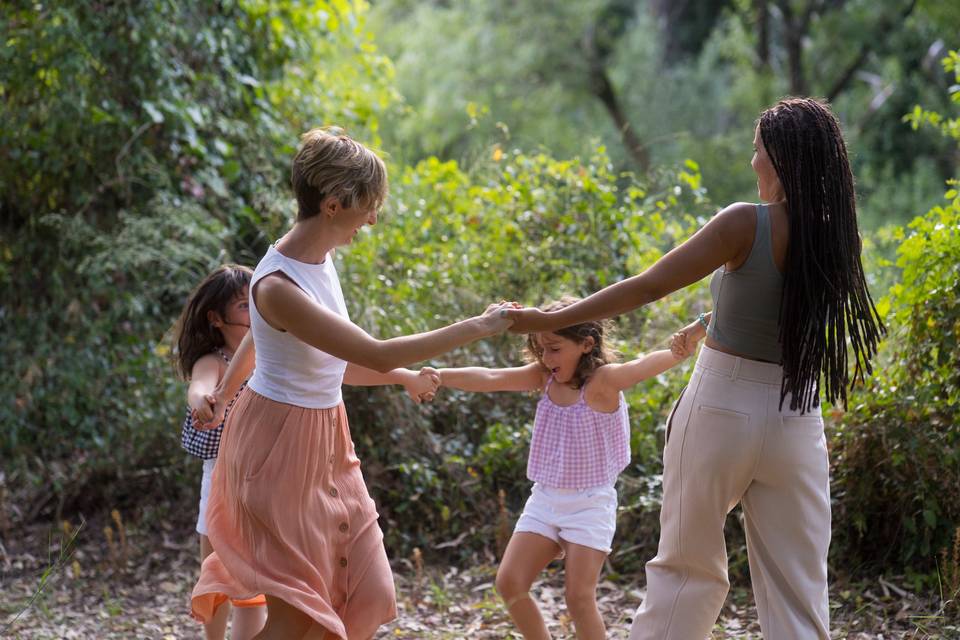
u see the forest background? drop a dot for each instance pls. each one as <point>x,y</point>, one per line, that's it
<point>535,148</point>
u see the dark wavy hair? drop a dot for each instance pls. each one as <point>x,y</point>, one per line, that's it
<point>825,298</point>
<point>600,355</point>
<point>193,334</point>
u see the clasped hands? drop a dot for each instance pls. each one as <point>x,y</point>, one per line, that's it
<point>424,386</point>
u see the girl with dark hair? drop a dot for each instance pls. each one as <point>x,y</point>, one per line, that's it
<point>580,444</point>
<point>210,328</point>
<point>788,291</point>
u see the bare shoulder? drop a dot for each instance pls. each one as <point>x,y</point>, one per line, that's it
<point>606,369</point>
<point>601,380</point>
<point>600,393</point>
<point>208,360</point>
<point>734,226</point>
<point>274,285</point>
<point>737,218</point>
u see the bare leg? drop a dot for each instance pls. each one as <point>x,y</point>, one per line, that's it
<point>216,629</point>
<point>526,556</point>
<point>284,621</point>
<point>247,622</point>
<point>582,568</point>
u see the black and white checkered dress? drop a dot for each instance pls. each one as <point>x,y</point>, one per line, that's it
<point>200,443</point>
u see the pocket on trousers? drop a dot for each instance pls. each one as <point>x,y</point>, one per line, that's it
<point>673,412</point>
<point>810,426</point>
<point>721,412</point>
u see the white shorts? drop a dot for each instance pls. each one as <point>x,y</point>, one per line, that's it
<point>586,517</point>
<point>205,495</point>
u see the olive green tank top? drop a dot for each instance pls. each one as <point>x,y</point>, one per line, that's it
<point>746,302</point>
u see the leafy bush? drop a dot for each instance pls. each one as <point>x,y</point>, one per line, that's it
<point>143,143</point>
<point>896,454</point>
<point>94,401</point>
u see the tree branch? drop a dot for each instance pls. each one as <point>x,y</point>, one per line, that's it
<point>795,32</point>
<point>603,89</point>
<point>763,33</point>
<point>866,49</point>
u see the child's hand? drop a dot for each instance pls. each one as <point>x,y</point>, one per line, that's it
<point>202,412</point>
<point>682,344</point>
<point>422,386</point>
<point>434,375</point>
<point>210,416</point>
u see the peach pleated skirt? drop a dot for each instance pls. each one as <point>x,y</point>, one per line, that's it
<point>290,517</point>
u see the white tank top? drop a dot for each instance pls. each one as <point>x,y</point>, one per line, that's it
<point>287,369</point>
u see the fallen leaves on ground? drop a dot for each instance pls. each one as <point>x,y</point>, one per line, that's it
<point>146,595</point>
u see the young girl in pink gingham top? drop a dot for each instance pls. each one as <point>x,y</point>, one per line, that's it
<point>575,446</point>
<point>581,443</point>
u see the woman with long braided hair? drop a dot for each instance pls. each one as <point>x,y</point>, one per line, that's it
<point>790,302</point>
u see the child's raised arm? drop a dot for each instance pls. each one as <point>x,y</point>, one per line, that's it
<point>619,377</point>
<point>526,378</point>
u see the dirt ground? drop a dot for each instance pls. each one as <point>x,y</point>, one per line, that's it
<point>137,586</point>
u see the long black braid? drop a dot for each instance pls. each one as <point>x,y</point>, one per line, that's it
<point>825,296</point>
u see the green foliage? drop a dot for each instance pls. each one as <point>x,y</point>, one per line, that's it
<point>498,63</point>
<point>897,452</point>
<point>88,382</point>
<point>949,127</point>
<point>105,104</point>
<point>144,144</point>
<point>522,70</point>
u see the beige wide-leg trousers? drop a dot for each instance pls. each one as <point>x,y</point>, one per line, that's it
<point>729,442</point>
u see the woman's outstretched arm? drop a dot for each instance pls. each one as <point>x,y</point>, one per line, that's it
<point>286,307</point>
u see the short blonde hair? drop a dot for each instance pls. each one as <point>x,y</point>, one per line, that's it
<point>330,163</point>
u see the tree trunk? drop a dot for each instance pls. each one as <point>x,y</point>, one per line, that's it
<point>763,33</point>
<point>603,89</point>
<point>883,30</point>
<point>795,30</point>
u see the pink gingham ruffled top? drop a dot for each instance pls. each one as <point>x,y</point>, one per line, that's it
<point>575,447</point>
